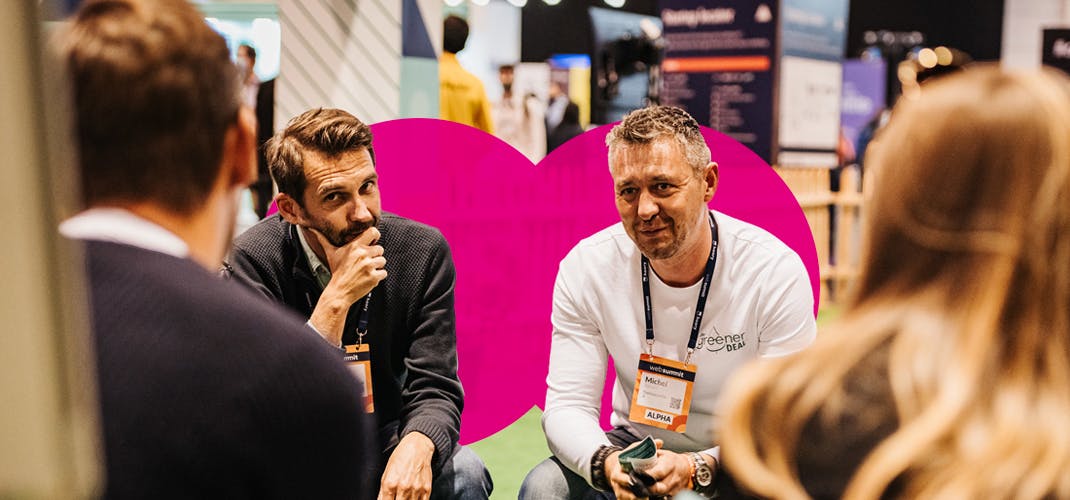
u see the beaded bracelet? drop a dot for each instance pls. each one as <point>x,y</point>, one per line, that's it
<point>598,467</point>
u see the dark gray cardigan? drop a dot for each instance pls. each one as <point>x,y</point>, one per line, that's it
<point>411,328</point>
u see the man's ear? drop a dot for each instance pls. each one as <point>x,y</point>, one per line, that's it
<point>289,209</point>
<point>710,177</point>
<point>239,150</point>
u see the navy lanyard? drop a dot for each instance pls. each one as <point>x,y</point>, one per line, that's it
<point>703,293</point>
<point>362,322</point>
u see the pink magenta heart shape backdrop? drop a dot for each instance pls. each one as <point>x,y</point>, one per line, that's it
<point>509,224</point>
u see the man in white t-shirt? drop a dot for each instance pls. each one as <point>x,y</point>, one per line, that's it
<point>680,296</point>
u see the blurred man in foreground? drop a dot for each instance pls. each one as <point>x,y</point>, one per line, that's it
<point>205,389</point>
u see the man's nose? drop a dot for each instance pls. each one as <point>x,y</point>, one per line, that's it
<point>648,206</point>
<point>360,211</point>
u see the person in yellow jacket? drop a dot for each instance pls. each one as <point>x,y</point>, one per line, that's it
<point>461,95</point>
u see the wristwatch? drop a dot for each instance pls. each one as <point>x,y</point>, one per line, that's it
<point>703,476</point>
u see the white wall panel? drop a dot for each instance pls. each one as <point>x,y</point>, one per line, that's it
<point>339,53</point>
<point>1023,22</point>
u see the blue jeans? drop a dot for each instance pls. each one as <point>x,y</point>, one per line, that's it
<point>551,480</point>
<point>463,477</point>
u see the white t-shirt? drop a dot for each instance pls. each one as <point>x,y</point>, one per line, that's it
<point>760,304</point>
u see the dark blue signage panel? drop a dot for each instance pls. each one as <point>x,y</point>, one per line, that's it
<point>719,66</point>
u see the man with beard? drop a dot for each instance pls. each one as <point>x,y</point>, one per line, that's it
<point>374,284</point>
<point>205,390</point>
<point>680,296</point>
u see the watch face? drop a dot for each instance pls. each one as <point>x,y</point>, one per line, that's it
<point>703,476</point>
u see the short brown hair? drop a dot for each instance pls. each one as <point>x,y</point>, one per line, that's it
<point>154,91</point>
<point>325,130</point>
<point>646,125</point>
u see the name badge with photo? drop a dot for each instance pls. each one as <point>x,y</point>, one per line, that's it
<point>359,359</point>
<point>662,396</point>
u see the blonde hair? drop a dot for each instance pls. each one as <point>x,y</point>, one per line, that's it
<point>962,311</point>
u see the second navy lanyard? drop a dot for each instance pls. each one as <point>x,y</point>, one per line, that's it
<point>703,293</point>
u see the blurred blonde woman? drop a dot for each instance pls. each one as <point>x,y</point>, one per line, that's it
<point>948,375</point>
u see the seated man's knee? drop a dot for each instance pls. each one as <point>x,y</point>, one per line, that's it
<point>465,477</point>
<point>470,470</point>
<point>548,480</point>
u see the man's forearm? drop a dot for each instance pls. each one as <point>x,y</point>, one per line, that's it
<point>439,421</point>
<point>408,472</point>
<point>329,318</point>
